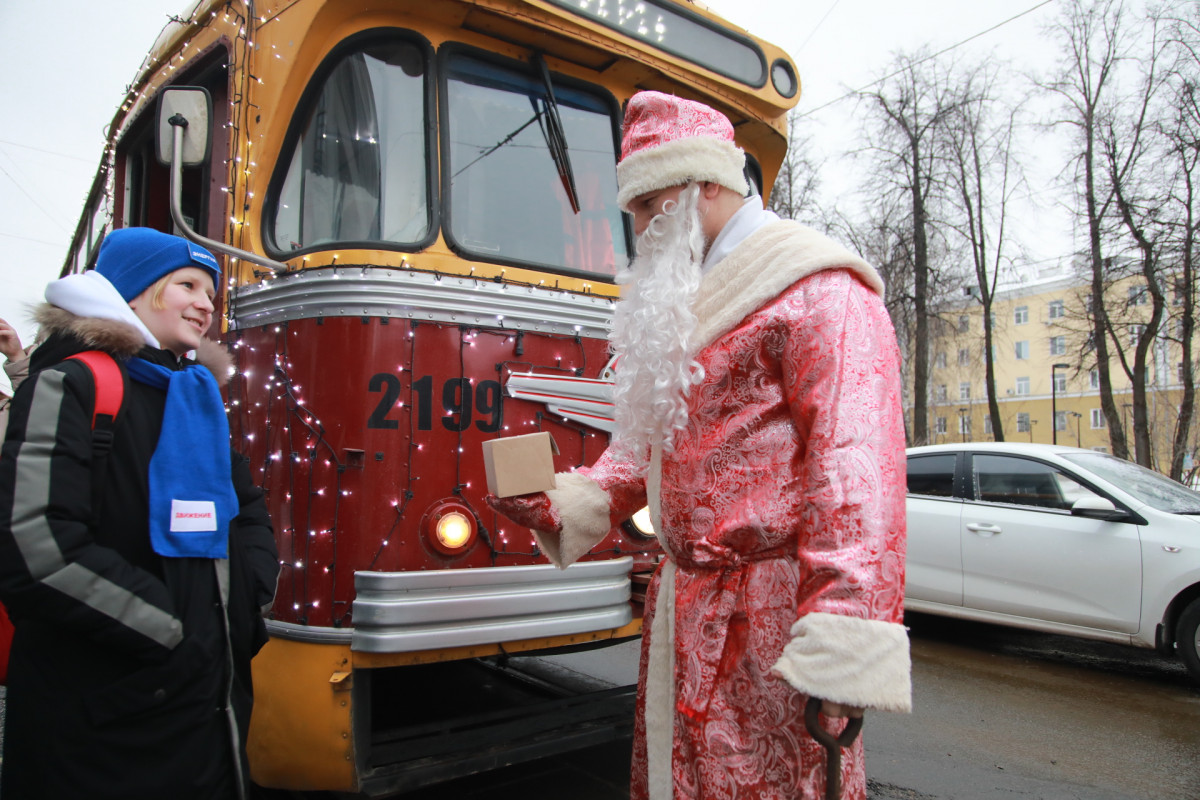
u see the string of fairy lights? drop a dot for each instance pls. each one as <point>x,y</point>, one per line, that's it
<point>296,450</point>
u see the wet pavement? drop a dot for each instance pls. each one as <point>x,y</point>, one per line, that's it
<point>999,714</point>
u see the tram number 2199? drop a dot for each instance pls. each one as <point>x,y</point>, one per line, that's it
<point>461,400</point>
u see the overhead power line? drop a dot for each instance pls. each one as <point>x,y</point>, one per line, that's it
<point>48,152</point>
<point>943,51</point>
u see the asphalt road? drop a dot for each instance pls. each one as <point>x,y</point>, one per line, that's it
<point>998,715</point>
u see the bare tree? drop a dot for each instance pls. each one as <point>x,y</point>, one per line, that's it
<point>1094,43</point>
<point>906,112</point>
<point>1181,132</point>
<point>1131,156</point>
<point>982,177</point>
<point>794,195</point>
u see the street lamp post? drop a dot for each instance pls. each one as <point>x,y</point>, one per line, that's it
<point>1054,400</point>
<point>1078,425</point>
<point>962,428</point>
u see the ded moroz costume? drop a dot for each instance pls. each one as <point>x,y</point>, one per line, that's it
<point>779,503</point>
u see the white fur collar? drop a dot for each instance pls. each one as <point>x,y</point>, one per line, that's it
<point>763,267</point>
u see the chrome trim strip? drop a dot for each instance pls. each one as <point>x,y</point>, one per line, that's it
<point>407,611</point>
<point>424,296</point>
<point>308,633</point>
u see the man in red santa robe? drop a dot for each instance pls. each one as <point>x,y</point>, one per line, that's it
<point>759,416</point>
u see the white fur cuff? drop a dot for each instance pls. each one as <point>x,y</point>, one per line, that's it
<point>857,662</point>
<point>583,509</point>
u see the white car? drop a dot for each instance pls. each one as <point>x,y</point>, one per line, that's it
<point>1055,539</point>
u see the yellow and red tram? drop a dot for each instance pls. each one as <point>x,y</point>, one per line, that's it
<point>416,202</point>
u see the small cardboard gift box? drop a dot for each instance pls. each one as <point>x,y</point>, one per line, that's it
<point>520,464</point>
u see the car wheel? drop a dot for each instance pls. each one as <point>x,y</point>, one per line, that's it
<point>1187,638</point>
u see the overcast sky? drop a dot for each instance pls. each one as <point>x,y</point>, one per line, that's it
<point>65,82</point>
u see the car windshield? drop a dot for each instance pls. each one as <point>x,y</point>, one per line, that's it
<point>1152,488</point>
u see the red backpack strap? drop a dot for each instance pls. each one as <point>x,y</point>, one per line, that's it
<point>110,392</point>
<point>110,384</point>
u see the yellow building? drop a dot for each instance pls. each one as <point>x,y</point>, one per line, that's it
<point>1045,368</point>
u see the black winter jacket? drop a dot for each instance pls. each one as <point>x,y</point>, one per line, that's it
<point>130,674</point>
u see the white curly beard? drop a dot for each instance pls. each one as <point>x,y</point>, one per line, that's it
<point>652,331</point>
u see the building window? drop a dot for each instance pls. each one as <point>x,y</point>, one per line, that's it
<point>1137,296</point>
<point>1060,420</point>
<point>1058,345</point>
<point>1021,315</point>
<point>987,424</point>
<point>964,391</point>
<point>1022,385</point>
<point>1057,309</point>
<point>1098,420</point>
<point>939,360</point>
<point>964,357</point>
<point>940,425</point>
<point>1060,381</point>
<point>1094,379</point>
<point>1022,349</point>
<point>964,324</point>
<point>1023,425</point>
<point>1136,332</point>
<point>939,393</point>
<point>964,425</point>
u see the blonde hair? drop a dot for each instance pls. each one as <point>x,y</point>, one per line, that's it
<point>156,291</point>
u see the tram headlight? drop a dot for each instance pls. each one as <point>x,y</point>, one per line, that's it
<point>450,527</point>
<point>641,524</point>
<point>783,78</point>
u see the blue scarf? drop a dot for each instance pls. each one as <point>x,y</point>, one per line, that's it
<point>192,500</point>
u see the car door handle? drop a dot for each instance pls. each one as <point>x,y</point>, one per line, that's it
<point>983,530</point>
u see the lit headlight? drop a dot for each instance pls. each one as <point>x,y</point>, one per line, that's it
<point>641,524</point>
<point>450,527</point>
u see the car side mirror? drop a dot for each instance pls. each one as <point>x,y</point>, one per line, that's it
<point>1094,507</point>
<point>189,108</point>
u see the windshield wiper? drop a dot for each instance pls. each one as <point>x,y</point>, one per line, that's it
<point>556,138</point>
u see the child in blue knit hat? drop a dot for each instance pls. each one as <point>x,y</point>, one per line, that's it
<point>134,564</point>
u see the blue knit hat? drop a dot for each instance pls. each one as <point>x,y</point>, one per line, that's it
<point>132,259</point>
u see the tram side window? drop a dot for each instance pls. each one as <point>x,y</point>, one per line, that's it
<point>358,169</point>
<point>507,197</point>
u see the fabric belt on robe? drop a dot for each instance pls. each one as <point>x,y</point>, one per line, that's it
<point>724,568</point>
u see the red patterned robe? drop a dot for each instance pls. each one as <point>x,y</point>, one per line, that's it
<point>782,508</point>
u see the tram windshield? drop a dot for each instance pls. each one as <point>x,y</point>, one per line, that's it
<point>508,192</point>
<point>359,171</point>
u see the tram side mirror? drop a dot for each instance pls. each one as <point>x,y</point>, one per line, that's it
<point>189,108</point>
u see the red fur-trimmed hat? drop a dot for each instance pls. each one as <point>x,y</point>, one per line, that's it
<point>668,141</point>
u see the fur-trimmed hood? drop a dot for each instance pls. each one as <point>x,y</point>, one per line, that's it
<point>121,340</point>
